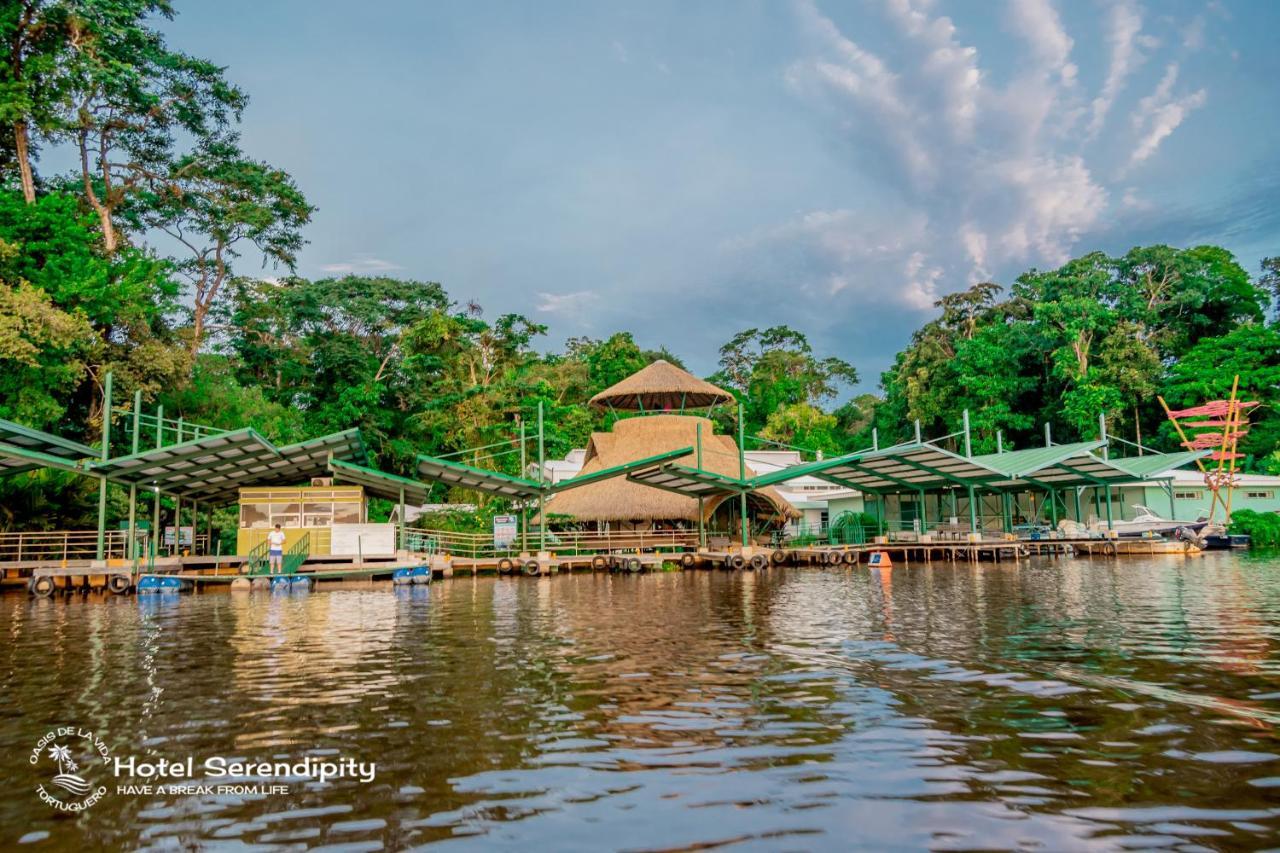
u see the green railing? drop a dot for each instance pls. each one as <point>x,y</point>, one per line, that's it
<point>297,555</point>
<point>256,561</point>
<point>480,545</point>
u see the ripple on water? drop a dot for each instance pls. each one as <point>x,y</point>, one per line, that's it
<point>934,707</point>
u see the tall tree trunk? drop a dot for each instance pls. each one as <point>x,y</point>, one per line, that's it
<point>103,211</point>
<point>23,149</point>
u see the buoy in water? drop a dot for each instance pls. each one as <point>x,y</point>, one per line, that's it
<point>420,574</point>
<point>152,583</point>
<point>879,560</point>
<point>402,576</point>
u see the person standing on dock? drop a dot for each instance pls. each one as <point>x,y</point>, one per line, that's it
<point>275,550</point>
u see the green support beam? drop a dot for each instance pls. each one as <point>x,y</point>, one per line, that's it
<point>106,454</point>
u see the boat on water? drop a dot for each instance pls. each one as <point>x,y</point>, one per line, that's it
<point>1148,523</point>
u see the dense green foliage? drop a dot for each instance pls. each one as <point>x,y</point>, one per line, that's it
<point>158,160</point>
<point>1262,528</point>
<point>1097,335</point>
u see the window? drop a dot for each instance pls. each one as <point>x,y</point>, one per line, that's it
<point>346,513</point>
<point>1267,495</point>
<point>1189,495</point>
<point>255,515</point>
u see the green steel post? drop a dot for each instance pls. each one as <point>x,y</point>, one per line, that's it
<point>973,506</point>
<point>1076,493</point>
<point>702,525</point>
<point>1110,523</point>
<point>400,519</point>
<point>742,476</point>
<point>968,443</point>
<point>999,441</point>
<point>178,439</point>
<point>106,454</point>
<point>177,526</point>
<point>524,504</point>
<point>875,438</point>
<point>1048,439</point>
<point>917,430</point>
<point>922,515</point>
<point>1102,434</point>
<point>1053,508</point>
<point>542,495</point>
<point>1006,519</point>
<point>131,551</point>
<point>1097,501</point>
<point>155,523</point>
<point>195,525</point>
<point>1173,511</point>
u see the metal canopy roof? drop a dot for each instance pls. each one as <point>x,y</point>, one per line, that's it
<point>903,467</point>
<point>216,467</point>
<point>1056,465</point>
<point>921,465</point>
<point>1153,465</point>
<point>25,449</point>
<point>639,466</point>
<point>476,479</point>
<point>687,481</point>
<point>380,483</point>
<point>505,485</point>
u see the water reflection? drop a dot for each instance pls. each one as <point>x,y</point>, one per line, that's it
<point>1060,703</point>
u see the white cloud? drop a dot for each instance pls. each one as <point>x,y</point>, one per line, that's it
<point>965,202</point>
<point>360,265</point>
<point>1160,113</point>
<point>1037,21</point>
<point>575,304</point>
<point>1124,36</point>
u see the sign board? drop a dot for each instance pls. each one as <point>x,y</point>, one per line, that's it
<point>506,528</point>
<point>362,540</point>
<point>187,535</point>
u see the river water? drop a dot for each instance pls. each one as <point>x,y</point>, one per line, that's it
<point>1057,704</point>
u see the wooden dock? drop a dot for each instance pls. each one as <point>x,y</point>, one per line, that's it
<point>116,576</point>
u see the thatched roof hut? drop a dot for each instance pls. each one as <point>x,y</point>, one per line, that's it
<point>662,387</point>
<point>622,502</point>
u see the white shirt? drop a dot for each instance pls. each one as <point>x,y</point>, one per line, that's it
<point>275,540</point>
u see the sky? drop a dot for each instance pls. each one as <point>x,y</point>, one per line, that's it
<point>685,171</point>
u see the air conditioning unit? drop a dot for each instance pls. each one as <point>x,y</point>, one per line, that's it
<point>322,481</point>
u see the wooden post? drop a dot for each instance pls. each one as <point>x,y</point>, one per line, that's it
<point>106,454</point>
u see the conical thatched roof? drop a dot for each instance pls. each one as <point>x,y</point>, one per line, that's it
<point>621,500</point>
<point>661,387</point>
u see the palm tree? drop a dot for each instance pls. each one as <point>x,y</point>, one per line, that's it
<point>62,755</point>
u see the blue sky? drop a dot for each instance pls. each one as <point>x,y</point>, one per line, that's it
<point>687,170</point>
